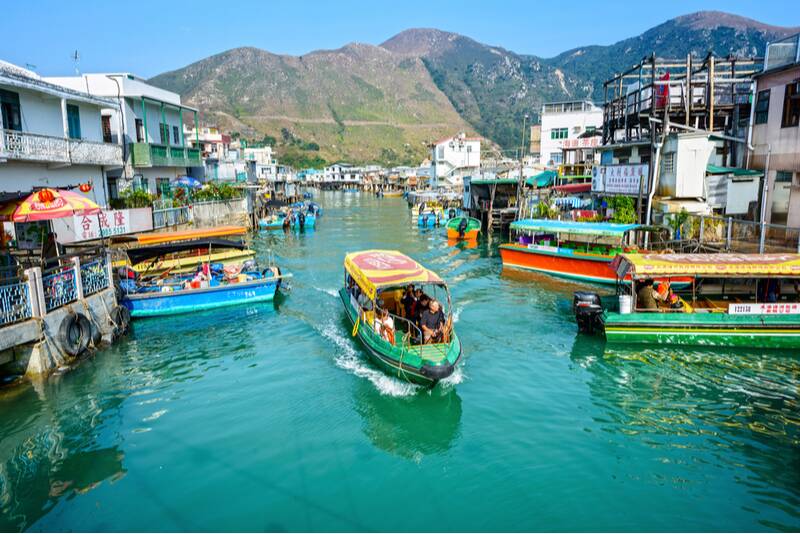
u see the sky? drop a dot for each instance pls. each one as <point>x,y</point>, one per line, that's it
<point>149,37</point>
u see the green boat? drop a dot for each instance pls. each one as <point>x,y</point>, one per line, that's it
<point>734,300</point>
<point>463,228</point>
<point>374,282</point>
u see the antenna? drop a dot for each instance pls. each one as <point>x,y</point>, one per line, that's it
<point>76,57</point>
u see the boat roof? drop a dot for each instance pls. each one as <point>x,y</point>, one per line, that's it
<point>141,254</point>
<point>711,265</point>
<point>375,269</point>
<point>153,238</point>
<point>574,227</point>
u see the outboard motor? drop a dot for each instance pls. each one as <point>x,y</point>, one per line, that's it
<point>451,213</point>
<point>588,311</point>
<point>462,226</point>
<point>301,218</point>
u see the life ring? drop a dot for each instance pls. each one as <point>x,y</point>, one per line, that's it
<point>390,335</point>
<point>121,316</point>
<point>74,334</point>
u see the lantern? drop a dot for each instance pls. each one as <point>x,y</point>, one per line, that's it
<point>46,196</point>
<point>85,188</point>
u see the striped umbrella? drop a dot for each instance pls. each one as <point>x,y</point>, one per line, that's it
<point>47,204</point>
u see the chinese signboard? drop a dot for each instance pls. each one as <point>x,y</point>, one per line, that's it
<point>621,179</point>
<point>581,142</point>
<point>104,224</point>
<point>783,308</point>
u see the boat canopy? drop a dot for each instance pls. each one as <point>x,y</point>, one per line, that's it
<point>154,238</point>
<point>375,269</point>
<point>543,179</point>
<point>141,254</point>
<point>711,265</point>
<point>573,227</point>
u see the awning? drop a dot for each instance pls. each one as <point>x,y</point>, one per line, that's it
<point>374,269</point>
<point>574,188</point>
<point>138,255</point>
<point>543,179</point>
<point>169,237</point>
<point>573,227</point>
<point>712,265</point>
<point>736,171</point>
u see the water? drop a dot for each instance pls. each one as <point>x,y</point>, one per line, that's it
<point>271,418</point>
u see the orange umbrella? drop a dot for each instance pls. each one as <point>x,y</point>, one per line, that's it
<point>47,204</point>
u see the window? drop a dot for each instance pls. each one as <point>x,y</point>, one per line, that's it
<point>762,107</point>
<point>555,157</point>
<point>9,103</point>
<point>113,189</point>
<point>176,136</point>
<point>783,176</point>
<point>591,130</point>
<point>163,131</point>
<point>791,105</point>
<point>162,187</point>
<point>559,133</point>
<point>74,121</point>
<point>139,131</point>
<point>140,183</point>
<point>105,123</point>
<point>668,166</point>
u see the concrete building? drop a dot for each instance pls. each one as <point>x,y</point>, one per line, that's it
<point>567,124</point>
<point>54,136</point>
<point>535,148</point>
<point>776,131</point>
<point>342,175</point>
<point>153,136</point>
<point>265,166</point>
<point>453,158</point>
<point>211,142</point>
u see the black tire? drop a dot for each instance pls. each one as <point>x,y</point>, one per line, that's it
<point>122,320</point>
<point>74,334</point>
<point>118,292</point>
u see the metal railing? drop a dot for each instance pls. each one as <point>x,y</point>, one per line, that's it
<point>171,217</point>
<point>15,302</point>
<point>783,52</point>
<point>59,288</point>
<point>36,147</point>
<point>94,276</point>
<point>721,234</point>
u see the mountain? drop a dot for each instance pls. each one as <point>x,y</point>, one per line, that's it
<point>491,87</point>
<point>360,102</point>
<point>383,103</point>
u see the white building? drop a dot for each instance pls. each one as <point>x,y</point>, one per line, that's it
<point>453,158</point>
<point>266,166</point>
<point>53,136</point>
<point>211,142</point>
<point>342,173</point>
<point>568,125</point>
<point>152,120</point>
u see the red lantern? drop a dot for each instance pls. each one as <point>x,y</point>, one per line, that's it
<point>46,196</point>
<point>85,188</point>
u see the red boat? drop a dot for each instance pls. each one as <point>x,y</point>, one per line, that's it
<point>578,250</point>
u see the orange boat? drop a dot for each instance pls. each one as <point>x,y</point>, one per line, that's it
<point>577,250</point>
<point>465,228</point>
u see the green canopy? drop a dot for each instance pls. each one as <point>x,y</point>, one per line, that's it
<point>543,179</point>
<point>736,171</point>
<point>573,227</point>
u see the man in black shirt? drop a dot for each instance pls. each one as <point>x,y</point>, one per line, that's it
<point>432,322</point>
<point>409,302</point>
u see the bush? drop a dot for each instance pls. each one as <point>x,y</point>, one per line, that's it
<point>133,198</point>
<point>216,191</point>
<point>624,210</point>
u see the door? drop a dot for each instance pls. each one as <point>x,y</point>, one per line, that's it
<point>74,121</point>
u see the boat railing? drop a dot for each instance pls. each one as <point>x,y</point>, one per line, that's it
<point>413,332</point>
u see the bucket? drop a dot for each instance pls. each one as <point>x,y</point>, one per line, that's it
<point>625,304</point>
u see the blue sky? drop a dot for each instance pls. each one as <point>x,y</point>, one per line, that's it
<point>149,37</point>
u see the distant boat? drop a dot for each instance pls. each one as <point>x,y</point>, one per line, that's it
<point>463,228</point>
<point>274,222</point>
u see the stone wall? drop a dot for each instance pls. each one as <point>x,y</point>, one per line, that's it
<point>218,213</point>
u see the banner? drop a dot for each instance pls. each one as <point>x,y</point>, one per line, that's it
<point>104,224</point>
<point>782,308</point>
<point>623,179</point>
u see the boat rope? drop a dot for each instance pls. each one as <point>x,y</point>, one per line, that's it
<point>355,324</point>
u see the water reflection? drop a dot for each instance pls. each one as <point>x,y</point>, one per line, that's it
<point>413,426</point>
<point>732,408</point>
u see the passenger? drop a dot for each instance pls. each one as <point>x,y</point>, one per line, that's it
<point>409,302</point>
<point>384,325</point>
<point>432,323</point>
<point>423,301</point>
<point>646,296</point>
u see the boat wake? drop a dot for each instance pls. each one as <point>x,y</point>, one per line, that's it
<point>349,360</point>
<point>456,378</point>
<point>331,292</point>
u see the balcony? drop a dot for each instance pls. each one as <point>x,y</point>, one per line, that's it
<point>153,155</point>
<point>26,146</point>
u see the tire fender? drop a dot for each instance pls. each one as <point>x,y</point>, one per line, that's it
<point>74,334</point>
<point>121,316</point>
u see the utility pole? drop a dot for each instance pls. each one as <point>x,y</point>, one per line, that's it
<point>521,159</point>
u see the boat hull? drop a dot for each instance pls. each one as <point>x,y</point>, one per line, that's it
<point>594,268</point>
<point>193,300</point>
<point>468,235</point>
<point>704,329</point>
<point>395,362</point>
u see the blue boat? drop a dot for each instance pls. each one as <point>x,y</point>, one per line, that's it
<point>220,287</point>
<point>437,217</point>
<point>307,220</point>
<point>272,223</point>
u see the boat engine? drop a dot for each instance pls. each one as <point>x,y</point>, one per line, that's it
<point>588,311</point>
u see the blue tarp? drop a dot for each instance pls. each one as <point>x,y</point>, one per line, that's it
<point>573,227</point>
<point>543,179</point>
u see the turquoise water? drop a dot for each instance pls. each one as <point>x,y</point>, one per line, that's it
<point>271,418</point>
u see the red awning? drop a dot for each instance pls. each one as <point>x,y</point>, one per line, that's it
<point>574,188</point>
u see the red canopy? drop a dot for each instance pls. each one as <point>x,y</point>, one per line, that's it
<point>574,188</point>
